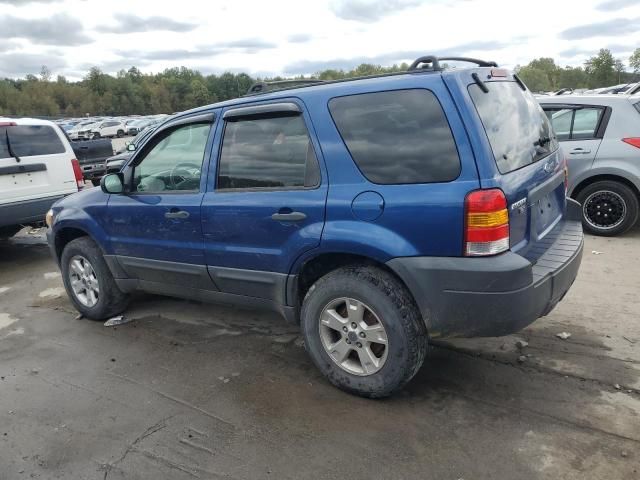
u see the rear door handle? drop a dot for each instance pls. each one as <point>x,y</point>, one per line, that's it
<point>179,214</point>
<point>288,217</point>
<point>578,151</point>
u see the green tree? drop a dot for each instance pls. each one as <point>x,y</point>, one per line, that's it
<point>537,80</point>
<point>634,61</point>
<point>601,69</point>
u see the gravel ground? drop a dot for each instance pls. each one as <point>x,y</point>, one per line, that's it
<point>189,390</point>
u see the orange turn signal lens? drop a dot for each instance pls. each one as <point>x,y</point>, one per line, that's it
<point>488,219</point>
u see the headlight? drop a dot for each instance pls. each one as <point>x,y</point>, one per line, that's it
<point>48,219</point>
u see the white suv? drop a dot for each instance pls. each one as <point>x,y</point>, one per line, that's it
<point>37,167</point>
<point>109,128</point>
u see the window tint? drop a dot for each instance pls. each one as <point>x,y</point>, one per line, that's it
<point>561,122</point>
<point>174,162</point>
<point>397,137</point>
<point>273,152</point>
<point>30,140</point>
<point>518,130</point>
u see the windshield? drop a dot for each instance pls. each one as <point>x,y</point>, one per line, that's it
<point>518,129</point>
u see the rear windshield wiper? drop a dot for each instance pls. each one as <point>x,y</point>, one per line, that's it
<point>11,152</point>
<point>542,141</point>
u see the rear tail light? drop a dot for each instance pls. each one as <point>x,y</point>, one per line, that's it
<point>486,223</point>
<point>77,171</point>
<point>634,141</point>
<point>8,124</point>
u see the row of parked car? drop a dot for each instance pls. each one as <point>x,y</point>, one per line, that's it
<point>93,128</point>
<point>621,89</point>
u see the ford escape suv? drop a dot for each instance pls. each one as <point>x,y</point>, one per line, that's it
<point>377,212</point>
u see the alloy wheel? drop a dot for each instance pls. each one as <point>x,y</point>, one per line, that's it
<point>353,336</point>
<point>84,281</point>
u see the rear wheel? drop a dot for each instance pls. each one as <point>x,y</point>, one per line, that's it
<point>96,135</point>
<point>95,182</point>
<point>120,133</point>
<point>608,208</point>
<point>8,232</point>
<point>89,282</point>
<point>363,331</point>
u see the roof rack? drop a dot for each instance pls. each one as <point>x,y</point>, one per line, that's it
<point>431,62</point>
<point>263,87</point>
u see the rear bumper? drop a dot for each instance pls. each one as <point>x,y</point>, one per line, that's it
<point>92,171</point>
<point>494,296</point>
<point>25,212</point>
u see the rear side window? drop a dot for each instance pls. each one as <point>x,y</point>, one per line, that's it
<point>518,130</point>
<point>30,140</point>
<point>575,123</point>
<point>272,152</point>
<point>397,137</point>
<point>637,105</point>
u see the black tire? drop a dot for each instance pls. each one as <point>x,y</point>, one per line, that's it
<point>95,182</point>
<point>111,300</point>
<point>120,133</point>
<point>397,311</point>
<point>96,135</point>
<point>591,193</point>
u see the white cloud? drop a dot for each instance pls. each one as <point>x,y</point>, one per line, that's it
<point>290,36</point>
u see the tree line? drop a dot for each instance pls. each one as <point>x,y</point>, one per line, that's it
<point>132,92</point>
<point>601,70</point>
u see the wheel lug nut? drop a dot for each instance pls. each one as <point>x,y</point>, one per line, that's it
<point>362,334</point>
<point>359,345</point>
<point>348,341</point>
<point>345,329</point>
<point>353,325</point>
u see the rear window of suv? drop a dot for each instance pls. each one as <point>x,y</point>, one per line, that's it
<point>397,137</point>
<point>30,141</point>
<point>519,131</point>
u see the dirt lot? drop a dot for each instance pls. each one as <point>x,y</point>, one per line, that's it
<point>189,390</point>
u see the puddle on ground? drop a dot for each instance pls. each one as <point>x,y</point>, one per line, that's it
<point>52,292</point>
<point>6,320</point>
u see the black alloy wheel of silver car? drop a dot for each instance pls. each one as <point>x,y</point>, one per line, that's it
<point>608,208</point>
<point>363,330</point>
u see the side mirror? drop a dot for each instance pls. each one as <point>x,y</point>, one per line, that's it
<point>131,147</point>
<point>112,183</point>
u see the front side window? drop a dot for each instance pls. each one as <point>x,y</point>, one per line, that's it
<point>174,162</point>
<point>273,152</point>
<point>397,137</point>
<point>30,141</point>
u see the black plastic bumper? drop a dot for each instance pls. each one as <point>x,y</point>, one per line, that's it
<point>494,296</point>
<point>27,211</point>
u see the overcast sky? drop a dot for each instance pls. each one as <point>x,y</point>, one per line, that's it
<point>302,36</point>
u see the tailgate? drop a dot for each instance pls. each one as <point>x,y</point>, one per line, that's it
<point>34,163</point>
<point>530,166</point>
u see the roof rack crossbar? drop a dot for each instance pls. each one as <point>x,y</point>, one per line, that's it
<point>432,62</point>
<point>263,87</point>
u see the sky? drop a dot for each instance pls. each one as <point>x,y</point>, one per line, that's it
<point>292,37</point>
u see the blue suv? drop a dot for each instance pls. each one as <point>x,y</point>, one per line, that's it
<point>376,212</point>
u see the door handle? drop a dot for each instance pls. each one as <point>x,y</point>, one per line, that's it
<point>288,217</point>
<point>578,151</point>
<point>179,214</point>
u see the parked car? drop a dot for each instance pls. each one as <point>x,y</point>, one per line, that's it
<point>74,133</point>
<point>92,155</point>
<point>136,127</point>
<point>108,128</point>
<point>446,216</point>
<point>37,168</point>
<point>601,136</point>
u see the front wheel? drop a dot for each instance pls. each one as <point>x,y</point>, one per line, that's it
<point>363,331</point>
<point>96,135</point>
<point>609,208</point>
<point>89,282</point>
<point>120,133</point>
